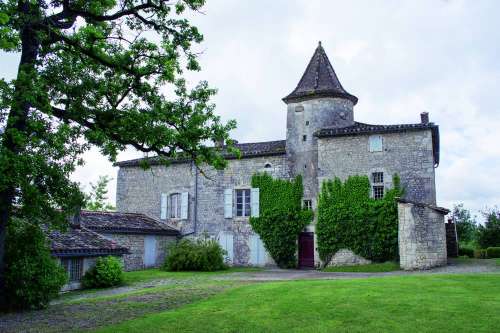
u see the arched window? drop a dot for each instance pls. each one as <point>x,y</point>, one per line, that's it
<point>268,165</point>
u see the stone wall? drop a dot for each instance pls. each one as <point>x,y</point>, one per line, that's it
<point>140,191</point>
<point>135,244</point>
<point>409,154</point>
<point>422,235</point>
<point>346,257</point>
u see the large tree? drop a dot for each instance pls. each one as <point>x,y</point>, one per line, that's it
<point>106,73</point>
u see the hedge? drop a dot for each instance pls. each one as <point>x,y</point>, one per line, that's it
<point>493,252</point>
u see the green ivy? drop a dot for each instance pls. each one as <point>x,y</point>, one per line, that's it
<point>281,217</point>
<point>349,218</point>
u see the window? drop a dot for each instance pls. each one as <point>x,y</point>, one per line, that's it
<point>307,123</point>
<point>378,192</point>
<point>299,108</point>
<point>74,268</point>
<point>304,137</point>
<point>378,185</point>
<point>308,204</point>
<point>377,177</point>
<point>267,165</point>
<point>243,202</point>
<point>174,205</point>
<point>375,142</point>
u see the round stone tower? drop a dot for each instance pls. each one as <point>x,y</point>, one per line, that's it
<point>319,101</point>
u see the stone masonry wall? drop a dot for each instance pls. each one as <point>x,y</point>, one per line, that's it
<point>140,191</point>
<point>346,257</point>
<point>408,154</point>
<point>422,236</point>
<point>135,244</point>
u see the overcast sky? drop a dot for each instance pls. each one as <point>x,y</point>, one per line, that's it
<point>399,58</point>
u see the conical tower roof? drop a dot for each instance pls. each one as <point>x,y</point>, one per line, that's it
<point>319,80</point>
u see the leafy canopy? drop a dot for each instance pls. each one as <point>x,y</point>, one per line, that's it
<point>96,200</point>
<point>105,73</point>
<point>466,224</point>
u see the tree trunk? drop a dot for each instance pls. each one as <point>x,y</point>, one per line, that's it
<point>16,123</point>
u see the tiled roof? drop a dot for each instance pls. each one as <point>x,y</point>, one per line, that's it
<point>255,149</point>
<point>361,128</point>
<point>82,242</point>
<point>115,222</point>
<point>319,80</point>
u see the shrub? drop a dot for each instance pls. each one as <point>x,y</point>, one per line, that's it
<point>466,251</point>
<point>200,255</point>
<point>489,234</point>
<point>349,218</point>
<point>480,254</point>
<point>493,252</point>
<point>32,276</point>
<point>281,217</point>
<point>107,272</point>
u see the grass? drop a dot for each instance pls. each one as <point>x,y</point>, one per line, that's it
<point>433,303</point>
<point>157,274</point>
<point>369,268</point>
<point>498,262</point>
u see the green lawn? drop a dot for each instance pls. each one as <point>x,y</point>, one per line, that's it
<point>370,268</point>
<point>423,303</point>
<point>156,274</point>
<point>498,262</point>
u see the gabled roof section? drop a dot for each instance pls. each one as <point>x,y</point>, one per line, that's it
<point>362,128</point>
<point>319,80</point>
<point>78,242</point>
<point>247,150</point>
<point>129,223</point>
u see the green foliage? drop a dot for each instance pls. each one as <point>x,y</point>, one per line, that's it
<point>281,217</point>
<point>33,277</point>
<point>349,218</point>
<point>107,272</point>
<point>493,252</point>
<point>466,224</point>
<point>489,233</point>
<point>97,73</point>
<point>200,255</point>
<point>479,254</point>
<point>466,251</point>
<point>96,200</point>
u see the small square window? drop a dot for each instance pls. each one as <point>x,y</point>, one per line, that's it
<point>378,192</point>
<point>307,123</point>
<point>308,204</point>
<point>377,177</point>
<point>74,268</point>
<point>375,142</point>
<point>304,137</point>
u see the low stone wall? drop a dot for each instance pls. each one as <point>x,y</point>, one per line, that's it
<point>346,257</point>
<point>422,235</point>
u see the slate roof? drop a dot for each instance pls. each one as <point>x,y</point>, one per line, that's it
<point>79,242</point>
<point>128,223</point>
<point>253,149</point>
<point>362,128</point>
<point>319,80</point>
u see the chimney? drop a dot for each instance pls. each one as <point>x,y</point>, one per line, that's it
<point>75,223</point>
<point>219,143</point>
<point>424,117</point>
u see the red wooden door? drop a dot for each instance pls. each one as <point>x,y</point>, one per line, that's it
<point>306,250</point>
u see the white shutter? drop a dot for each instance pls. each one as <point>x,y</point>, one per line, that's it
<point>226,242</point>
<point>228,203</point>
<point>184,205</point>
<point>163,206</point>
<point>254,201</point>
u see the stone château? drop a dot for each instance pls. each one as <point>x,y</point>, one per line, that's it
<point>323,141</point>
